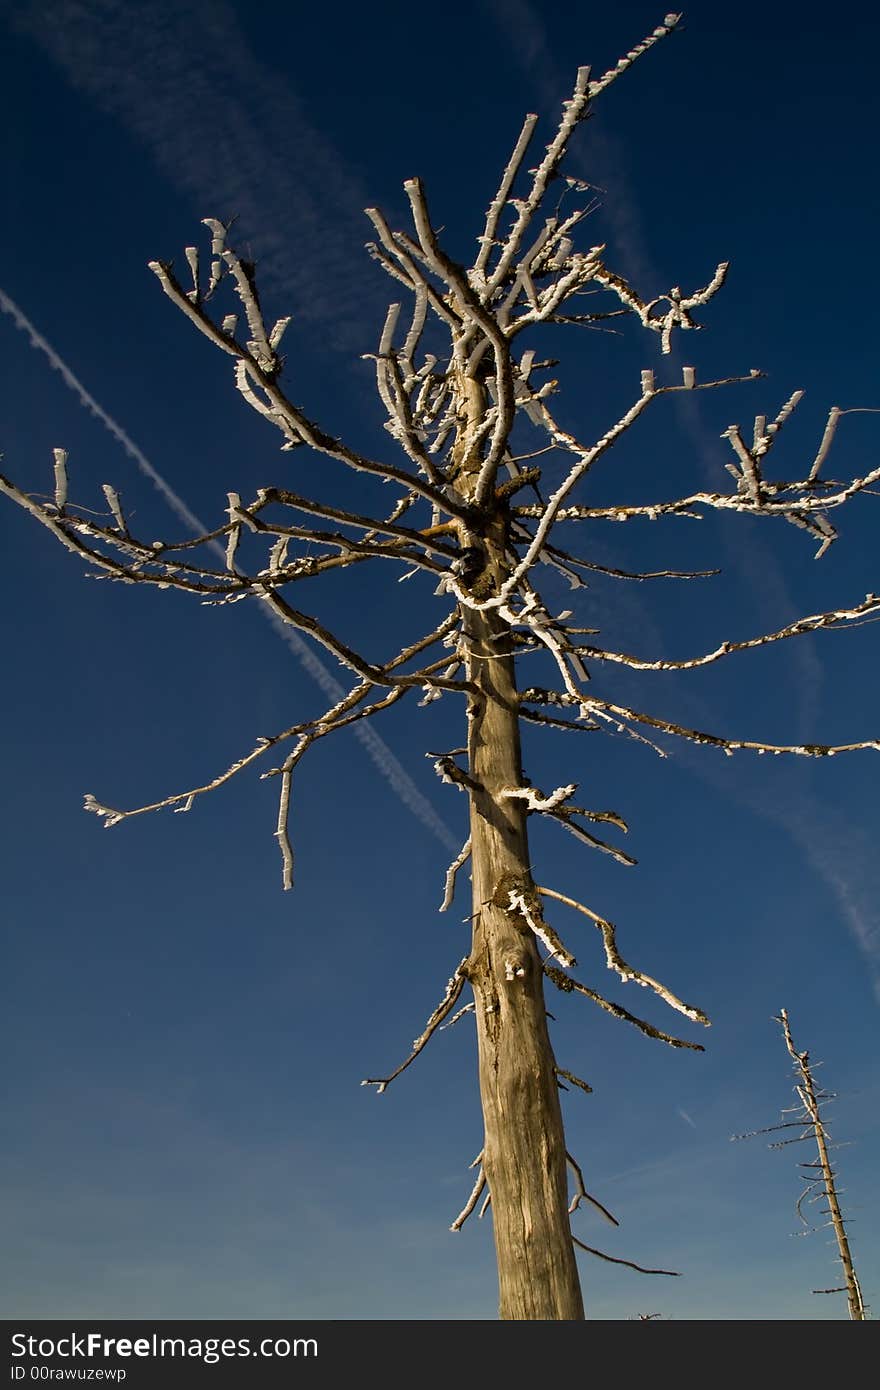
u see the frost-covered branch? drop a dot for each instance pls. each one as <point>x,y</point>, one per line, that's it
<point>616,713</point>
<point>452,872</point>
<point>815,622</point>
<point>614,960</point>
<point>447,1003</point>
<point>565,816</point>
<point>525,900</point>
<point>567,985</point>
<point>804,502</point>
<point>256,372</point>
<point>338,716</point>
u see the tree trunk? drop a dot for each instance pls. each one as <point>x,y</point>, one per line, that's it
<point>524,1147</point>
<point>853,1291</point>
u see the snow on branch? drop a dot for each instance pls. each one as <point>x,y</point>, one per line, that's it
<point>461,1013</point>
<point>567,985</point>
<point>525,901</point>
<point>677,314</point>
<point>669,23</point>
<point>814,622</point>
<point>338,716</point>
<point>115,505</point>
<point>452,872</point>
<point>496,207</point>
<point>803,503</point>
<point>554,806</point>
<point>448,771</point>
<point>614,960</point>
<point>60,456</point>
<point>447,1003</point>
<point>257,369</point>
<point>554,552</point>
<point>490,279</point>
<point>534,716</point>
<point>565,816</point>
<point>536,800</point>
<point>607,710</point>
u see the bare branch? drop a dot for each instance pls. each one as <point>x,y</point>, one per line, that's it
<point>575,1080</point>
<point>615,1260</point>
<point>730,746</point>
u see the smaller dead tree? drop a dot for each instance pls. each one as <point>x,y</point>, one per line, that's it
<point>820,1178</point>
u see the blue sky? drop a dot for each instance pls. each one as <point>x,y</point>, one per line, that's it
<point>187,1135</point>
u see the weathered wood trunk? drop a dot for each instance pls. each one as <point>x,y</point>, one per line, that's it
<point>853,1291</point>
<point>524,1147</point>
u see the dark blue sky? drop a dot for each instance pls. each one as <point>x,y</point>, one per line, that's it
<point>186,1135</point>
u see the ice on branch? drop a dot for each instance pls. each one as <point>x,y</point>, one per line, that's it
<point>449,772</point>
<point>536,800</point>
<point>60,456</point>
<point>452,873</point>
<point>614,960</point>
<point>524,900</point>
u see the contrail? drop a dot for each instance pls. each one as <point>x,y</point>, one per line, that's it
<point>383,758</point>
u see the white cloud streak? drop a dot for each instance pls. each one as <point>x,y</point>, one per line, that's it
<point>231,134</point>
<point>377,750</point>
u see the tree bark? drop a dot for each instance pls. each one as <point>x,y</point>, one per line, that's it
<point>524,1152</point>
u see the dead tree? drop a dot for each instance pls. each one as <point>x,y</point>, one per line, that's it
<point>819,1177</point>
<point>486,476</point>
